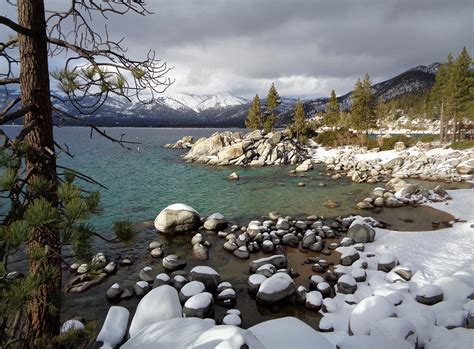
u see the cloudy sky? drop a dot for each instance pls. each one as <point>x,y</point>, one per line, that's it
<point>307,47</point>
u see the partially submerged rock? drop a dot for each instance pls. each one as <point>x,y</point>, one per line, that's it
<point>177,218</point>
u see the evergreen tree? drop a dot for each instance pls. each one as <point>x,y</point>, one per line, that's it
<point>439,96</point>
<point>332,116</point>
<point>273,100</point>
<point>462,76</point>
<point>299,122</point>
<point>254,116</point>
<point>363,115</point>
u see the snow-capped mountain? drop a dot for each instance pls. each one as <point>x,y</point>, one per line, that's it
<point>227,110</point>
<point>200,103</point>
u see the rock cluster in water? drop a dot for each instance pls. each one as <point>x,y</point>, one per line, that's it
<point>270,235</point>
<point>398,192</point>
<point>254,149</point>
<point>442,166</point>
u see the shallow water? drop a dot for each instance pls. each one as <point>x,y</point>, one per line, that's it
<point>144,180</point>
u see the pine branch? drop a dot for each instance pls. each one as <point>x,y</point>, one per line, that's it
<point>8,81</point>
<point>7,117</point>
<point>16,27</point>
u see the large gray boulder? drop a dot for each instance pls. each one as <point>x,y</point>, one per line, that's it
<point>359,231</point>
<point>276,288</point>
<point>176,218</point>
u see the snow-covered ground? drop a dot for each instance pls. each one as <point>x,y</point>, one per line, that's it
<point>433,254</point>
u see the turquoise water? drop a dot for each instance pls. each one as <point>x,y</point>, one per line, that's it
<point>147,178</point>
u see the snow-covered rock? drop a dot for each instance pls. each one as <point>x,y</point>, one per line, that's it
<point>114,328</point>
<point>368,312</point>
<point>161,303</point>
<point>200,305</point>
<point>276,288</point>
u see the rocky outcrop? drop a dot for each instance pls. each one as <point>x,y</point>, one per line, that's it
<point>416,162</point>
<point>184,143</point>
<point>253,149</point>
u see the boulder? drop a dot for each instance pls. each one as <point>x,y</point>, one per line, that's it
<point>191,289</point>
<point>279,261</point>
<point>276,288</point>
<point>346,284</point>
<point>369,312</point>
<point>177,218</point>
<point>359,231</point>
<point>215,221</point>
<point>254,281</point>
<point>230,152</point>
<point>314,300</point>
<point>172,263</point>
<point>233,176</point>
<point>114,328</point>
<point>399,146</point>
<point>429,295</point>
<point>200,305</point>
<point>208,276</point>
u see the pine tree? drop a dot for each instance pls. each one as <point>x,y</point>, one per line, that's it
<point>363,115</point>
<point>299,122</point>
<point>462,76</point>
<point>273,100</point>
<point>254,116</point>
<point>332,116</point>
<point>439,96</point>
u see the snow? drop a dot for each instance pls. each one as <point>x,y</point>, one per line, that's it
<point>159,304</point>
<point>368,312</point>
<point>289,332</point>
<point>71,325</point>
<point>192,288</point>
<point>232,319</point>
<point>458,338</point>
<point>316,279</point>
<point>347,279</point>
<point>429,291</point>
<point>177,333</point>
<point>433,254</point>
<point>114,328</point>
<point>199,103</point>
<point>180,207</point>
<point>204,270</point>
<point>227,292</point>
<point>199,301</point>
<point>365,342</point>
<point>454,288</point>
<point>213,336</point>
<point>142,284</point>
<point>163,277</point>
<point>314,298</point>
<point>257,279</point>
<point>115,286</point>
<point>275,283</point>
<point>396,328</point>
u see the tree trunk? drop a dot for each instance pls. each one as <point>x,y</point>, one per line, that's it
<point>43,309</point>
<point>442,129</point>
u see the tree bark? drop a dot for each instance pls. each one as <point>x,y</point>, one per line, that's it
<point>43,309</point>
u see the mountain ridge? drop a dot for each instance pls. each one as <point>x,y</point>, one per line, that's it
<point>227,110</point>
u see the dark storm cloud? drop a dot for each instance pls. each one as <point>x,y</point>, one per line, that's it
<point>306,47</point>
